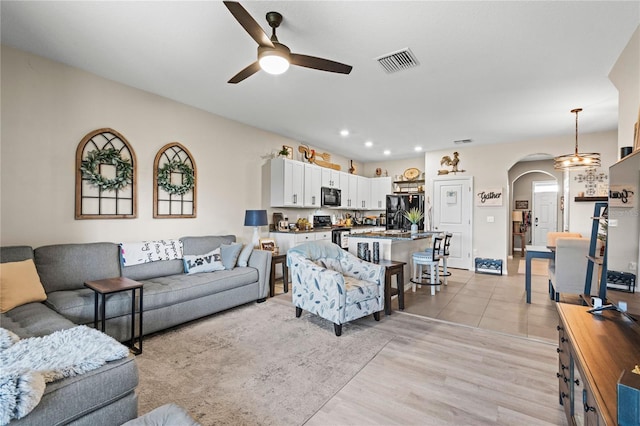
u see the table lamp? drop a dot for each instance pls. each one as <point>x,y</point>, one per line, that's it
<point>255,218</point>
<point>516,218</point>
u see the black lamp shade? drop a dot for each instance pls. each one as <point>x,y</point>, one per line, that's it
<point>255,218</point>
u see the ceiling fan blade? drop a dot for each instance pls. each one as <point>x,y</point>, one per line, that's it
<point>245,73</point>
<point>320,64</point>
<point>248,23</point>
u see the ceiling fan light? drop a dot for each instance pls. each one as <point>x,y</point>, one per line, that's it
<point>273,61</point>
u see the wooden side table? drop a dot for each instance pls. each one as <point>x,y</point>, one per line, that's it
<point>513,243</point>
<point>275,260</point>
<point>116,285</point>
<point>393,267</point>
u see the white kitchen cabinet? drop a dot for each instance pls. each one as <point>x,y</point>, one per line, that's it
<point>349,191</point>
<point>363,198</point>
<point>287,183</point>
<point>330,178</point>
<point>312,183</point>
<point>286,240</point>
<point>380,187</point>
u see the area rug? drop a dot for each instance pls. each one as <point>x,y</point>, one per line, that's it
<point>256,364</point>
<point>538,267</point>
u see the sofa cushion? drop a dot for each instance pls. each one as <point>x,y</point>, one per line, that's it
<point>165,291</point>
<point>19,285</point>
<point>34,320</point>
<point>78,305</point>
<point>15,253</point>
<point>230,254</point>
<point>245,254</point>
<point>68,400</point>
<point>208,262</point>
<point>200,245</point>
<point>151,270</point>
<point>69,266</point>
<point>359,291</point>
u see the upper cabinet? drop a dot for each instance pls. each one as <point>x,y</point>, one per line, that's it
<point>312,182</point>
<point>331,178</point>
<point>297,184</point>
<point>287,183</point>
<point>364,193</point>
<point>380,187</point>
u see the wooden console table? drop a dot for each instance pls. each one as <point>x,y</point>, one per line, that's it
<point>593,352</point>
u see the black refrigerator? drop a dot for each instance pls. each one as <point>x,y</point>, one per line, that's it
<point>397,205</point>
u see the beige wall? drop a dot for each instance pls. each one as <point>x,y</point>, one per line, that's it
<point>625,75</point>
<point>47,108</point>
<point>490,164</point>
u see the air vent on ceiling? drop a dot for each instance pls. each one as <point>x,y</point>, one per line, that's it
<point>461,141</point>
<point>398,61</point>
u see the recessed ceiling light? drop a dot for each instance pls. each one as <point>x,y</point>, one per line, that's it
<point>344,132</point>
<point>387,152</point>
<point>417,149</point>
<point>368,144</point>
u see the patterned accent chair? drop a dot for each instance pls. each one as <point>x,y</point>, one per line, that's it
<point>334,284</point>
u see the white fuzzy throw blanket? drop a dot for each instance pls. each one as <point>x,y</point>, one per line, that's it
<point>27,365</point>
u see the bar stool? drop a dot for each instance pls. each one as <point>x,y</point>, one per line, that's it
<point>445,256</point>
<point>430,258</point>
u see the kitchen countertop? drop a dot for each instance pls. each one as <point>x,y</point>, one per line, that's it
<point>326,229</point>
<point>395,235</point>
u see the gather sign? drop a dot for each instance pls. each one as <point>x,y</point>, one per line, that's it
<point>489,197</point>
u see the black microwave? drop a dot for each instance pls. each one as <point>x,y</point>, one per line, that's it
<point>331,197</point>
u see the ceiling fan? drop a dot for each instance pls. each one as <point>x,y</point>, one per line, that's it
<point>273,56</point>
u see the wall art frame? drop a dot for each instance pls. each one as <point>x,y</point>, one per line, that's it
<point>174,183</point>
<point>106,177</point>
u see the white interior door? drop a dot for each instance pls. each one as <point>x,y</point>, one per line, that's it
<point>545,209</point>
<point>452,211</point>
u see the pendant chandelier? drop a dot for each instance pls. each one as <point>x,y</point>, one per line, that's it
<point>577,160</point>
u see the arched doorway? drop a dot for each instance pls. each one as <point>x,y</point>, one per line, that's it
<point>536,168</point>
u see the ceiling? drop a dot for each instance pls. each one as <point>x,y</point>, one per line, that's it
<point>493,72</point>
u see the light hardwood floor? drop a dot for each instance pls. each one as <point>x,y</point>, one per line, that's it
<point>474,354</point>
<point>433,372</point>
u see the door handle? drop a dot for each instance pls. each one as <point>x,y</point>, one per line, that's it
<point>536,221</point>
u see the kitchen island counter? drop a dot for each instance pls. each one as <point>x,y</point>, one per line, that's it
<point>394,245</point>
<point>395,235</point>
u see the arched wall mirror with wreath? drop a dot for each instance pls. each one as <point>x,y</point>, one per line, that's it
<point>105,177</point>
<point>174,183</point>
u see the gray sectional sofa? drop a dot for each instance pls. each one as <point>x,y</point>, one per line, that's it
<point>106,395</point>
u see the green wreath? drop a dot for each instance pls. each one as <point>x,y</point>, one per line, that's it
<point>164,177</point>
<point>90,169</point>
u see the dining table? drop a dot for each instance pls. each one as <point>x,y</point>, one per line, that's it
<point>534,252</point>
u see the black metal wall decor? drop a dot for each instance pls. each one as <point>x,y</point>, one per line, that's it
<point>105,177</point>
<point>174,183</point>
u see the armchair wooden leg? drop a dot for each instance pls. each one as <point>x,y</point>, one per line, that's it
<point>337,328</point>
<point>298,312</point>
<point>376,316</point>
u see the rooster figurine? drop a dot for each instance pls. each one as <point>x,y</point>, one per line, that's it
<point>453,162</point>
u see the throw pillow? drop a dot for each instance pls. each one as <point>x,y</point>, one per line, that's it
<point>208,262</point>
<point>230,253</point>
<point>243,259</point>
<point>19,284</point>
